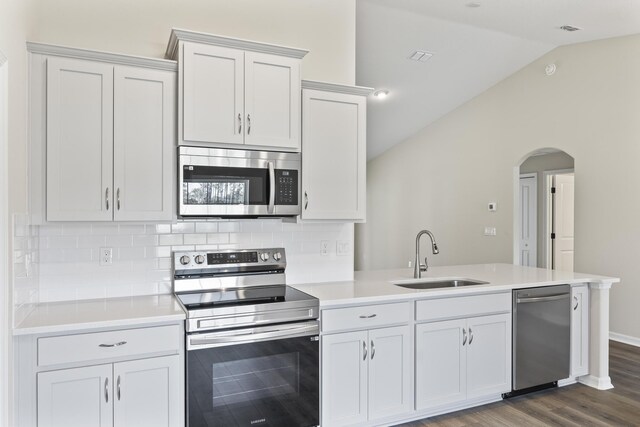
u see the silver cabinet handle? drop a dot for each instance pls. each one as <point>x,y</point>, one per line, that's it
<point>248,124</point>
<point>364,350</point>
<point>272,188</point>
<point>106,390</point>
<point>306,200</point>
<point>106,198</point>
<point>118,387</point>
<point>464,336</point>
<point>371,316</point>
<point>470,336</point>
<point>118,198</point>
<point>554,297</point>
<point>575,307</point>
<point>239,123</point>
<point>373,349</point>
<point>118,344</point>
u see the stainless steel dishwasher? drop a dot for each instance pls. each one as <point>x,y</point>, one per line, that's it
<point>541,337</point>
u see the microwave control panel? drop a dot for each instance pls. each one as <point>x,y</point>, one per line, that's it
<point>286,187</point>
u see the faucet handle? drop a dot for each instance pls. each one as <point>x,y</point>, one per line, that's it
<point>423,267</point>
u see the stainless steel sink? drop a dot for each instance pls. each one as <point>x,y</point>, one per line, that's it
<point>441,283</point>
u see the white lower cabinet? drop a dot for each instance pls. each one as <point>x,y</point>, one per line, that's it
<point>579,330</point>
<point>366,375</point>
<point>138,393</point>
<point>458,360</point>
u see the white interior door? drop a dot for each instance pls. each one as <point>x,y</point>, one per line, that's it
<point>563,218</point>
<point>4,246</point>
<point>528,219</point>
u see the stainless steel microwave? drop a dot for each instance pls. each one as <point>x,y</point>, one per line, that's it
<point>216,182</point>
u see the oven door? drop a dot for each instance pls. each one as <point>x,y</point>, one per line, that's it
<point>266,376</point>
<point>223,183</point>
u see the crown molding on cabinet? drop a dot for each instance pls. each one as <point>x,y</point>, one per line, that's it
<point>114,58</point>
<point>194,36</point>
<point>333,87</point>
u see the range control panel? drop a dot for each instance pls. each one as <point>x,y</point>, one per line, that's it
<point>212,260</point>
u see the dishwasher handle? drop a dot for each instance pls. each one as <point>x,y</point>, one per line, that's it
<point>555,297</point>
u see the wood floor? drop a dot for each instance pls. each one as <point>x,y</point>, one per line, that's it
<point>574,405</point>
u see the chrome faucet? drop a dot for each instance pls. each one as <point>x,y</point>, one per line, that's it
<point>419,268</point>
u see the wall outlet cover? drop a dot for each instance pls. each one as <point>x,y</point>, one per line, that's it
<point>490,231</point>
<point>493,206</point>
<point>324,247</point>
<point>106,256</point>
<point>343,247</point>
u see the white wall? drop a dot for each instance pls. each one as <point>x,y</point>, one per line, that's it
<point>538,165</point>
<point>141,27</point>
<point>443,177</point>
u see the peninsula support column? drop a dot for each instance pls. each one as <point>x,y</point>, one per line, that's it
<point>598,337</point>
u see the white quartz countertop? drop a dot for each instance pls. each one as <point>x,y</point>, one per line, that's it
<point>68,316</point>
<point>378,285</point>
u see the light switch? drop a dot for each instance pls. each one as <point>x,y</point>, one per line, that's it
<point>493,206</point>
<point>490,231</point>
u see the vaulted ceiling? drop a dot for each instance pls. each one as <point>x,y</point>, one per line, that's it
<point>475,44</point>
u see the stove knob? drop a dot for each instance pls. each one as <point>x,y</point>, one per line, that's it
<point>277,256</point>
<point>184,259</point>
<point>264,256</point>
<point>199,259</point>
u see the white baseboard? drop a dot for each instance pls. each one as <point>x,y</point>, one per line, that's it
<point>626,339</point>
<point>601,383</point>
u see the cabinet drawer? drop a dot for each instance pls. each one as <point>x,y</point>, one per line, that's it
<point>108,345</point>
<point>365,316</point>
<point>450,308</point>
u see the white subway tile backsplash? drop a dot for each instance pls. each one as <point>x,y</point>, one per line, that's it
<point>68,254</point>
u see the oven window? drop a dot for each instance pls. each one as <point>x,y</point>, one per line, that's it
<point>270,383</point>
<point>208,185</point>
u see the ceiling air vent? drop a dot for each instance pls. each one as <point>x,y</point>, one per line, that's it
<point>570,28</point>
<point>420,55</point>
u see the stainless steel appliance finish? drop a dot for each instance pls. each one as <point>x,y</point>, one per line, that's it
<point>252,342</point>
<point>541,335</point>
<point>223,183</point>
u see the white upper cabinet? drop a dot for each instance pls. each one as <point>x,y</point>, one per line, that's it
<point>334,152</point>
<point>79,140</point>
<point>143,144</point>
<point>213,94</point>
<point>237,92</point>
<point>103,129</point>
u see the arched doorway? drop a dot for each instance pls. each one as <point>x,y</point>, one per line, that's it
<point>544,210</point>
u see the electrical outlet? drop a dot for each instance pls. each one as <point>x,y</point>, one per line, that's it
<point>343,247</point>
<point>490,231</point>
<point>324,247</point>
<point>106,256</point>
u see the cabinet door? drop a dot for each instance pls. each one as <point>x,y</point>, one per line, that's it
<point>344,378</point>
<point>579,330</point>
<point>334,159</point>
<point>390,372</point>
<point>213,89</point>
<point>79,140</point>
<point>148,392</point>
<point>79,397</point>
<point>143,144</point>
<point>272,101</point>
<point>441,359</point>
<point>488,355</point>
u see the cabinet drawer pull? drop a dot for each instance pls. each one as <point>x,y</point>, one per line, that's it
<point>373,349</point>
<point>371,316</point>
<point>470,336</point>
<point>364,350</point>
<point>106,198</point>
<point>248,124</point>
<point>118,198</point>
<point>239,123</point>
<point>575,307</point>
<point>106,390</point>
<point>118,387</point>
<point>464,336</point>
<point>306,200</point>
<point>118,344</point>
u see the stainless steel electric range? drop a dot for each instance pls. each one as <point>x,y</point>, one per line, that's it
<point>252,341</point>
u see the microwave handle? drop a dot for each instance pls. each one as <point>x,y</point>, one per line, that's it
<point>272,187</point>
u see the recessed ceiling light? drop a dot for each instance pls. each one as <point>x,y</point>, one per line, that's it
<point>473,5</point>
<point>570,28</point>
<point>381,94</point>
<point>421,55</point>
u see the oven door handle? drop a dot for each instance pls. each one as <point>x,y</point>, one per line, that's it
<point>272,187</point>
<point>252,335</point>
